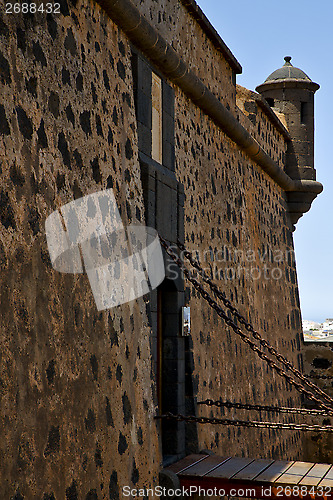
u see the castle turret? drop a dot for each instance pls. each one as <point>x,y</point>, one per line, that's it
<point>290,91</point>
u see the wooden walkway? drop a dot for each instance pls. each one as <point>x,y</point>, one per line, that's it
<point>253,478</point>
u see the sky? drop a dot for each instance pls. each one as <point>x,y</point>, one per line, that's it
<point>260,34</point>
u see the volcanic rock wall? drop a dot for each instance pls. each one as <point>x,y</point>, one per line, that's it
<point>76,410</point>
<point>236,222</point>
<point>78,387</point>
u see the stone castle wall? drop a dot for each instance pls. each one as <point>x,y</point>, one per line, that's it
<point>262,125</point>
<point>180,30</point>
<point>235,217</point>
<point>78,387</point>
<point>74,382</point>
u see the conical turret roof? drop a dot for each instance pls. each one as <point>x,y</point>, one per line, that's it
<point>288,77</point>
<point>288,72</point>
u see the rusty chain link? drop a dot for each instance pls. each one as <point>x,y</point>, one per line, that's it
<point>324,377</point>
<point>276,409</point>
<point>256,335</point>
<point>243,423</point>
<point>239,332</point>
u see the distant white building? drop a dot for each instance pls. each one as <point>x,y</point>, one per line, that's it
<point>327,325</point>
<point>319,332</point>
<point>310,325</point>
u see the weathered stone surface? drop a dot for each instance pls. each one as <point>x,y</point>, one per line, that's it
<point>181,30</point>
<point>79,386</point>
<point>59,356</point>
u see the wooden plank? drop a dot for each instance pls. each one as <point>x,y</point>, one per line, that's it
<point>230,468</point>
<point>329,474</point>
<point>295,473</point>
<point>274,471</point>
<point>204,466</point>
<point>300,468</point>
<point>315,475</point>
<point>289,479</point>
<point>310,481</point>
<point>328,483</point>
<point>186,462</point>
<point>200,467</point>
<point>253,469</point>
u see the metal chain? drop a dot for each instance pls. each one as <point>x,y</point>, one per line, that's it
<point>276,409</point>
<point>238,331</point>
<point>324,377</point>
<point>256,335</point>
<point>243,423</point>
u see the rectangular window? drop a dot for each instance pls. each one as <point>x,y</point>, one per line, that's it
<point>304,111</point>
<point>156,94</point>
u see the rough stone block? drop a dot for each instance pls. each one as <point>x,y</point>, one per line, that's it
<point>166,211</point>
<point>168,99</point>
<point>168,128</point>
<point>144,139</point>
<point>173,395</point>
<point>173,325</point>
<point>173,348</point>
<point>144,109</point>
<point>173,437</point>
<point>169,155</point>
<point>143,76</point>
